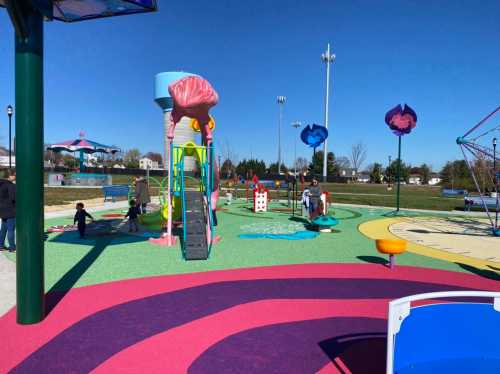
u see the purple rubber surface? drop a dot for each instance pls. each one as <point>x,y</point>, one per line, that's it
<point>85,345</point>
<point>298,347</point>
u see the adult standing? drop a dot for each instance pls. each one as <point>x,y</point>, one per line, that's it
<point>8,210</point>
<point>314,198</point>
<point>142,194</point>
<point>291,180</point>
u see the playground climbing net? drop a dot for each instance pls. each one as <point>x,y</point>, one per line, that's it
<point>478,147</point>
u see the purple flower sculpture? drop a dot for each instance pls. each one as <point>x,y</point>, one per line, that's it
<point>314,135</point>
<point>401,120</point>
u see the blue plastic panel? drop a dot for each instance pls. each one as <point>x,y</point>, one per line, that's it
<point>448,336</point>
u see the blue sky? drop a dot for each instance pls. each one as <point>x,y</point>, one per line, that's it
<point>440,57</point>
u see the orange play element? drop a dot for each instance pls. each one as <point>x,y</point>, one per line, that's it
<point>195,125</point>
<point>391,247</point>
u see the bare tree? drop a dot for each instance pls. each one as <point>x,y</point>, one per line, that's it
<point>343,162</point>
<point>228,153</point>
<point>358,155</point>
<point>301,164</point>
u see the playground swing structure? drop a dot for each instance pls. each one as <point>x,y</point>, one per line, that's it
<point>477,152</point>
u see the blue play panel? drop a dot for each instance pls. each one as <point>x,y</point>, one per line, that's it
<point>449,338</point>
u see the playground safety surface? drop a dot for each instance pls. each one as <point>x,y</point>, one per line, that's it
<point>117,303</point>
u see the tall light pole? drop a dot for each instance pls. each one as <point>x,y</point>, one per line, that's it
<point>10,111</point>
<point>281,101</point>
<point>327,58</point>
<point>295,125</point>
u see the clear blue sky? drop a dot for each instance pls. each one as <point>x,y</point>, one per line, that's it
<point>441,57</point>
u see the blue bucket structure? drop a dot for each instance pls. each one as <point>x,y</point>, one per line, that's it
<point>451,337</point>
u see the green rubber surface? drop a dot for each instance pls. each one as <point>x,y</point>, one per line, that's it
<point>72,262</point>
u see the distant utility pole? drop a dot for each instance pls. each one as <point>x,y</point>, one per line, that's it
<point>281,102</point>
<point>295,125</point>
<point>327,58</point>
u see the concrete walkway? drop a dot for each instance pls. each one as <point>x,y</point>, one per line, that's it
<point>7,284</point>
<point>97,208</point>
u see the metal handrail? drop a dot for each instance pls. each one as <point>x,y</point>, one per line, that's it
<point>180,174</point>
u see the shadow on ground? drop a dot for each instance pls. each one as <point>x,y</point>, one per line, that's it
<point>349,348</point>
<point>485,273</point>
<point>100,239</point>
<point>374,260</point>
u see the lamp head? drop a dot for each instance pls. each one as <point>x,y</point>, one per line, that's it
<point>10,110</point>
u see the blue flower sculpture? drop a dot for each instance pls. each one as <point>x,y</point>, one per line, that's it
<point>314,135</point>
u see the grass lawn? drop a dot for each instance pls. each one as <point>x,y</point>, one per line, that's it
<point>60,196</point>
<point>413,197</point>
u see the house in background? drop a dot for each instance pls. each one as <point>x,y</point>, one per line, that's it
<point>4,161</point>
<point>4,158</point>
<point>347,174</point>
<point>363,177</point>
<point>415,179</point>
<point>146,163</point>
<point>434,179</point>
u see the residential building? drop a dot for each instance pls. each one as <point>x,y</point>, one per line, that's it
<point>434,179</point>
<point>363,177</point>
<point>4,161</point>
<point>147,163</point>
<point>415,179</point>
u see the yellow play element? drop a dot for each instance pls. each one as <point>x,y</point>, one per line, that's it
<point>379,229</point>
<point>189,149</point>
<point>176,210</point>
<point>196,126</point>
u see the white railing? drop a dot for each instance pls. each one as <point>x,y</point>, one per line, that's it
<point>399,309</point>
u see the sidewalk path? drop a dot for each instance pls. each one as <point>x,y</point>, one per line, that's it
<point>7,284</point>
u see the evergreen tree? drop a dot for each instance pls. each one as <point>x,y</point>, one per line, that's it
<point>376,173</point>
<point>316,165</point>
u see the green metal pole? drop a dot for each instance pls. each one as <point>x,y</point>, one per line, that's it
<point>82,165</point>
<point>29,166</point>
<point>398,174</point>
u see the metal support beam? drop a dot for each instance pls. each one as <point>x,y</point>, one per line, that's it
<point>29,166</point>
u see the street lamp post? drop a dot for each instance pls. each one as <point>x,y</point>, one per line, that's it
<point>389,171</point>
<point>281,101</point>
<point>10,111</point>
<point>295,125</point>
<point>327,58</point>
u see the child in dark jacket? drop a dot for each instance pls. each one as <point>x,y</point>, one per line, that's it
<point>80,216</point>
<point>132,214</point>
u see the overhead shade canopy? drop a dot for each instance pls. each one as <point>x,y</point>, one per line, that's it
<point>83,145</point>
<point>80,10</point>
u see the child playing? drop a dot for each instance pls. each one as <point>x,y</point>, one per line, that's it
<point>305,199</point>
<point>80,216</point>
<point>132,214</point>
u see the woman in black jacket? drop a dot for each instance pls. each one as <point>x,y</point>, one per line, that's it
<point>8,210</point>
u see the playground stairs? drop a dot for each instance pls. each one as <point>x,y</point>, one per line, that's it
<point>195,242</point>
